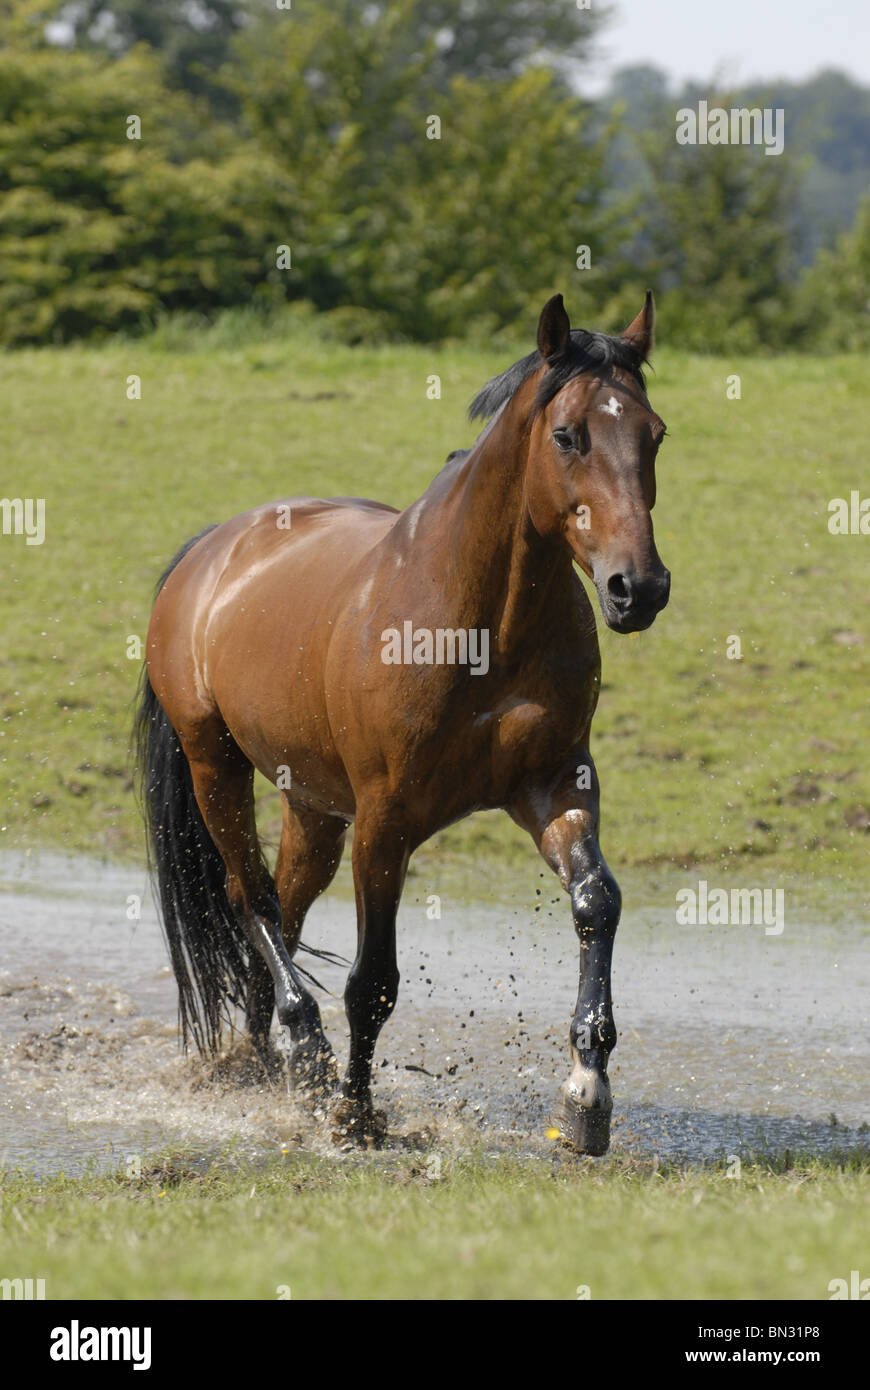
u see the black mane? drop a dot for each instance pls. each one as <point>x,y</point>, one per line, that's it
<point>586,353</point>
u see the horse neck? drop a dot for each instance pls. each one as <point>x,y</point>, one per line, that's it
<point>493,568</point>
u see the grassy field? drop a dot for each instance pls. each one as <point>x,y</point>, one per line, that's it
<point>485,1228</point>
<point>754,767</point>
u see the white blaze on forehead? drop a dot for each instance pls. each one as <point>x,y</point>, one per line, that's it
<point>611,407</point>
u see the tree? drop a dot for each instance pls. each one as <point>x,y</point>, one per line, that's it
<point>720,230</point>
<point>427,204</point>
<point>833,306</point>
<point>191,40</point>
<point>472,38</point>
<point>99,231</point>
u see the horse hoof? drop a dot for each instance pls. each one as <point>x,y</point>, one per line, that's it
<point>270,1059</point>
<point>585,1131</point>
<point>357,1122</point>
<point>313,1070</point>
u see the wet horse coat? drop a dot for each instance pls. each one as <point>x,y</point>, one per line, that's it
<point>266,650</point>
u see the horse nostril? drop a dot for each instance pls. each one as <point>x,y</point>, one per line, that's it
<point>618,588</point>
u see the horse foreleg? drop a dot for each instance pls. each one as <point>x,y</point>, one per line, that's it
<point>563,820</point>
<point>380,859</point>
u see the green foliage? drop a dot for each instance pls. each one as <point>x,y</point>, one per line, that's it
<point>827,136</point>
<point>833,301</point>
<point>469,38</point>
<point>719,238</point>
<point>98,231</point>
<point>314,129</point>
<point>496,211</point>
<point>828,129</point>
<point>436,232</point>
<point>192,41</point>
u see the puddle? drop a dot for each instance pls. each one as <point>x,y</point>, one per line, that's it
<point>729,1040</point>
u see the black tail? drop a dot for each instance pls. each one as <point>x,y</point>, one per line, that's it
<point>207,947</point>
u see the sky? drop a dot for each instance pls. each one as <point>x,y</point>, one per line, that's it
<point>747,39</point>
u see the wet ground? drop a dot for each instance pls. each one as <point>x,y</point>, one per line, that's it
<point>731,1040</point>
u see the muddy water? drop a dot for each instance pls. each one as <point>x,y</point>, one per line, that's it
<point>730,1039</point>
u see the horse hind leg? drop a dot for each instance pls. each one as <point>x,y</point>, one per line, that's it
<point>223,787</point>
<point>308,857</point>
<point>259,1008</point>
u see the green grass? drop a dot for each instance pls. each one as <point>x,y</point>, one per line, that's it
<point>486,1228</point>
<point>755,766</point>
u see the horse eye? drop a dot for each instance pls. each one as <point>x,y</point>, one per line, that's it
<point>563,439</point>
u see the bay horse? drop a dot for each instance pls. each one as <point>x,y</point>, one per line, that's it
<point>273,645</point>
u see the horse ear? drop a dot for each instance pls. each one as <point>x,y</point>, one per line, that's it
<point>641,331</point>
<point>554,328</point>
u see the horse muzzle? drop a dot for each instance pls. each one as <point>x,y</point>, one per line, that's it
<point>631,603</point>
